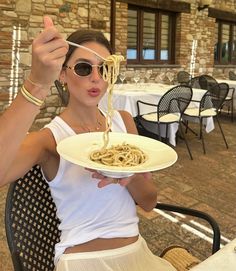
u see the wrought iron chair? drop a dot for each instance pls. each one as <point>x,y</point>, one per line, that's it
<point>209,106</point>
<point>32,225</point>
<point>167,111</point>
<point>194,82</point>
<point>232,76</point>
<point>208,82</point>
<point>183,77</point>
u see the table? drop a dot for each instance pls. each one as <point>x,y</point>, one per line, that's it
<point>223,260</point>
<point>125,97</point>
<point>232,84</point>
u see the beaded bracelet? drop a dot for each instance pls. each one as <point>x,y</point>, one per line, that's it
<point>30,98</point>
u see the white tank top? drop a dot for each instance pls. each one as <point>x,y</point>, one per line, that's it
<point>87,212</point>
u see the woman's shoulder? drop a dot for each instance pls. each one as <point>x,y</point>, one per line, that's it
<point>128,121</point>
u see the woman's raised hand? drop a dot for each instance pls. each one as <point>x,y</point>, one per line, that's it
<point>48,54</point>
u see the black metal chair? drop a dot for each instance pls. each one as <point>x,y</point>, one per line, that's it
<point>210,83</point>
<point>194,82</point>
<point>32,225</point>
<point>183,77</point>
<point>167,111</point>
<point>229,102</point>
<point>232,76</point>
<point>209,106</point>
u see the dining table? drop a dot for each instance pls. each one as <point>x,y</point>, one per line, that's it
<point>223,260</point>
<point>125,97</point>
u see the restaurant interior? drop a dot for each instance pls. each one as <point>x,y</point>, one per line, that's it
<point>178,82</point>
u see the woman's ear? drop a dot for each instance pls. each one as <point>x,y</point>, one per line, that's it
<point>63,92</point>
<point>62,76</point>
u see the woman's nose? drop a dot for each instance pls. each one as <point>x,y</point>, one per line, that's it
<point>95,75</point>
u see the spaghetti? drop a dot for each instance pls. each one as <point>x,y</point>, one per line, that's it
<point>120,155</point>
<point>124,155</point>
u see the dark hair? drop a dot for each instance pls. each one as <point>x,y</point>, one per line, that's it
<point>83,36</point>
<point>80,37</point>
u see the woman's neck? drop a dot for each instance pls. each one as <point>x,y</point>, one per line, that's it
<point>84,119</point>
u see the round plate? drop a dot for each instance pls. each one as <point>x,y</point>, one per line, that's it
<point>77,149</point>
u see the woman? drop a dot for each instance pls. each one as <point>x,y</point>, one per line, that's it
<point>98,216</point>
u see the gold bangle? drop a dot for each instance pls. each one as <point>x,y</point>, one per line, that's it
<point>30,98</point>
<point>33,83</point>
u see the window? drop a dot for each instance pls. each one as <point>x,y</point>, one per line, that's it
<point>151,36</point>
<point>225,43</point>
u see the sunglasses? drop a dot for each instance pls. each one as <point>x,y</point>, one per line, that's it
<point>85,68</point>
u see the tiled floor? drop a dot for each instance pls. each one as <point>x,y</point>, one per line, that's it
<point>207,183</point>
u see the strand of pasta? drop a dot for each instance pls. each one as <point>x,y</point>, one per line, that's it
<point>111,68</point>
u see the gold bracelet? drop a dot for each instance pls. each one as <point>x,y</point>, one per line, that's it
<point>33,83</point>
<point>30,98</point>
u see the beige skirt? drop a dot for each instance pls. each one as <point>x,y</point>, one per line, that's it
<point>134,257</point>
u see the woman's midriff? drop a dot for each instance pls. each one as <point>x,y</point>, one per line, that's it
<point>101,244</point>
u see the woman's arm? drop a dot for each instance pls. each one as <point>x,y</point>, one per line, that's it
<point>48,54</point>
<point>140,186</point>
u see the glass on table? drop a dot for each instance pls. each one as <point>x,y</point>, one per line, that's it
<point>161,77</point>
<point>122,76</point>
<point>148,74</point>
<point>136,77</point>
<point>171,76</point>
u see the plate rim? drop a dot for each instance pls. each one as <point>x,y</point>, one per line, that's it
<point>101,167</point>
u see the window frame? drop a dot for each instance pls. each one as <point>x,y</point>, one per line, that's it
<point>218,59</point>
<point>171,36</point>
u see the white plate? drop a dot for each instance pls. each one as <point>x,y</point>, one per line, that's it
<point>77,149</point>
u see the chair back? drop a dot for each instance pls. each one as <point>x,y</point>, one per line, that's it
<point>31,223</point>
<point>183,77</point>
<point>214,98</point>
<point>232,76</point>
<point>194,82</point>
<point>208,82</point>
<point>175,100</point>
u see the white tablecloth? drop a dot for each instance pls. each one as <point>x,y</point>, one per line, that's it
<point>125,97</point>
<point>232,84</point>
<point>222,260</point>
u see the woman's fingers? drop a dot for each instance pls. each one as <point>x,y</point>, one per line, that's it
<point>47,22</point>
<point>48,54</point>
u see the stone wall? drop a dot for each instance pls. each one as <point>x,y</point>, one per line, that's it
<point>21,20</point>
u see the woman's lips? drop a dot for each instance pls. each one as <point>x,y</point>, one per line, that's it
<point>94,92</point>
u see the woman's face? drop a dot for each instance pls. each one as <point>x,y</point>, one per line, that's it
<point>87,90</point>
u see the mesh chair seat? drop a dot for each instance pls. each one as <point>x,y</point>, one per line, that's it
<point>168,118</point>
<point>194,112</point>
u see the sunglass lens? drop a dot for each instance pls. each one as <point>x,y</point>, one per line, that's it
<point>83,69</point>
